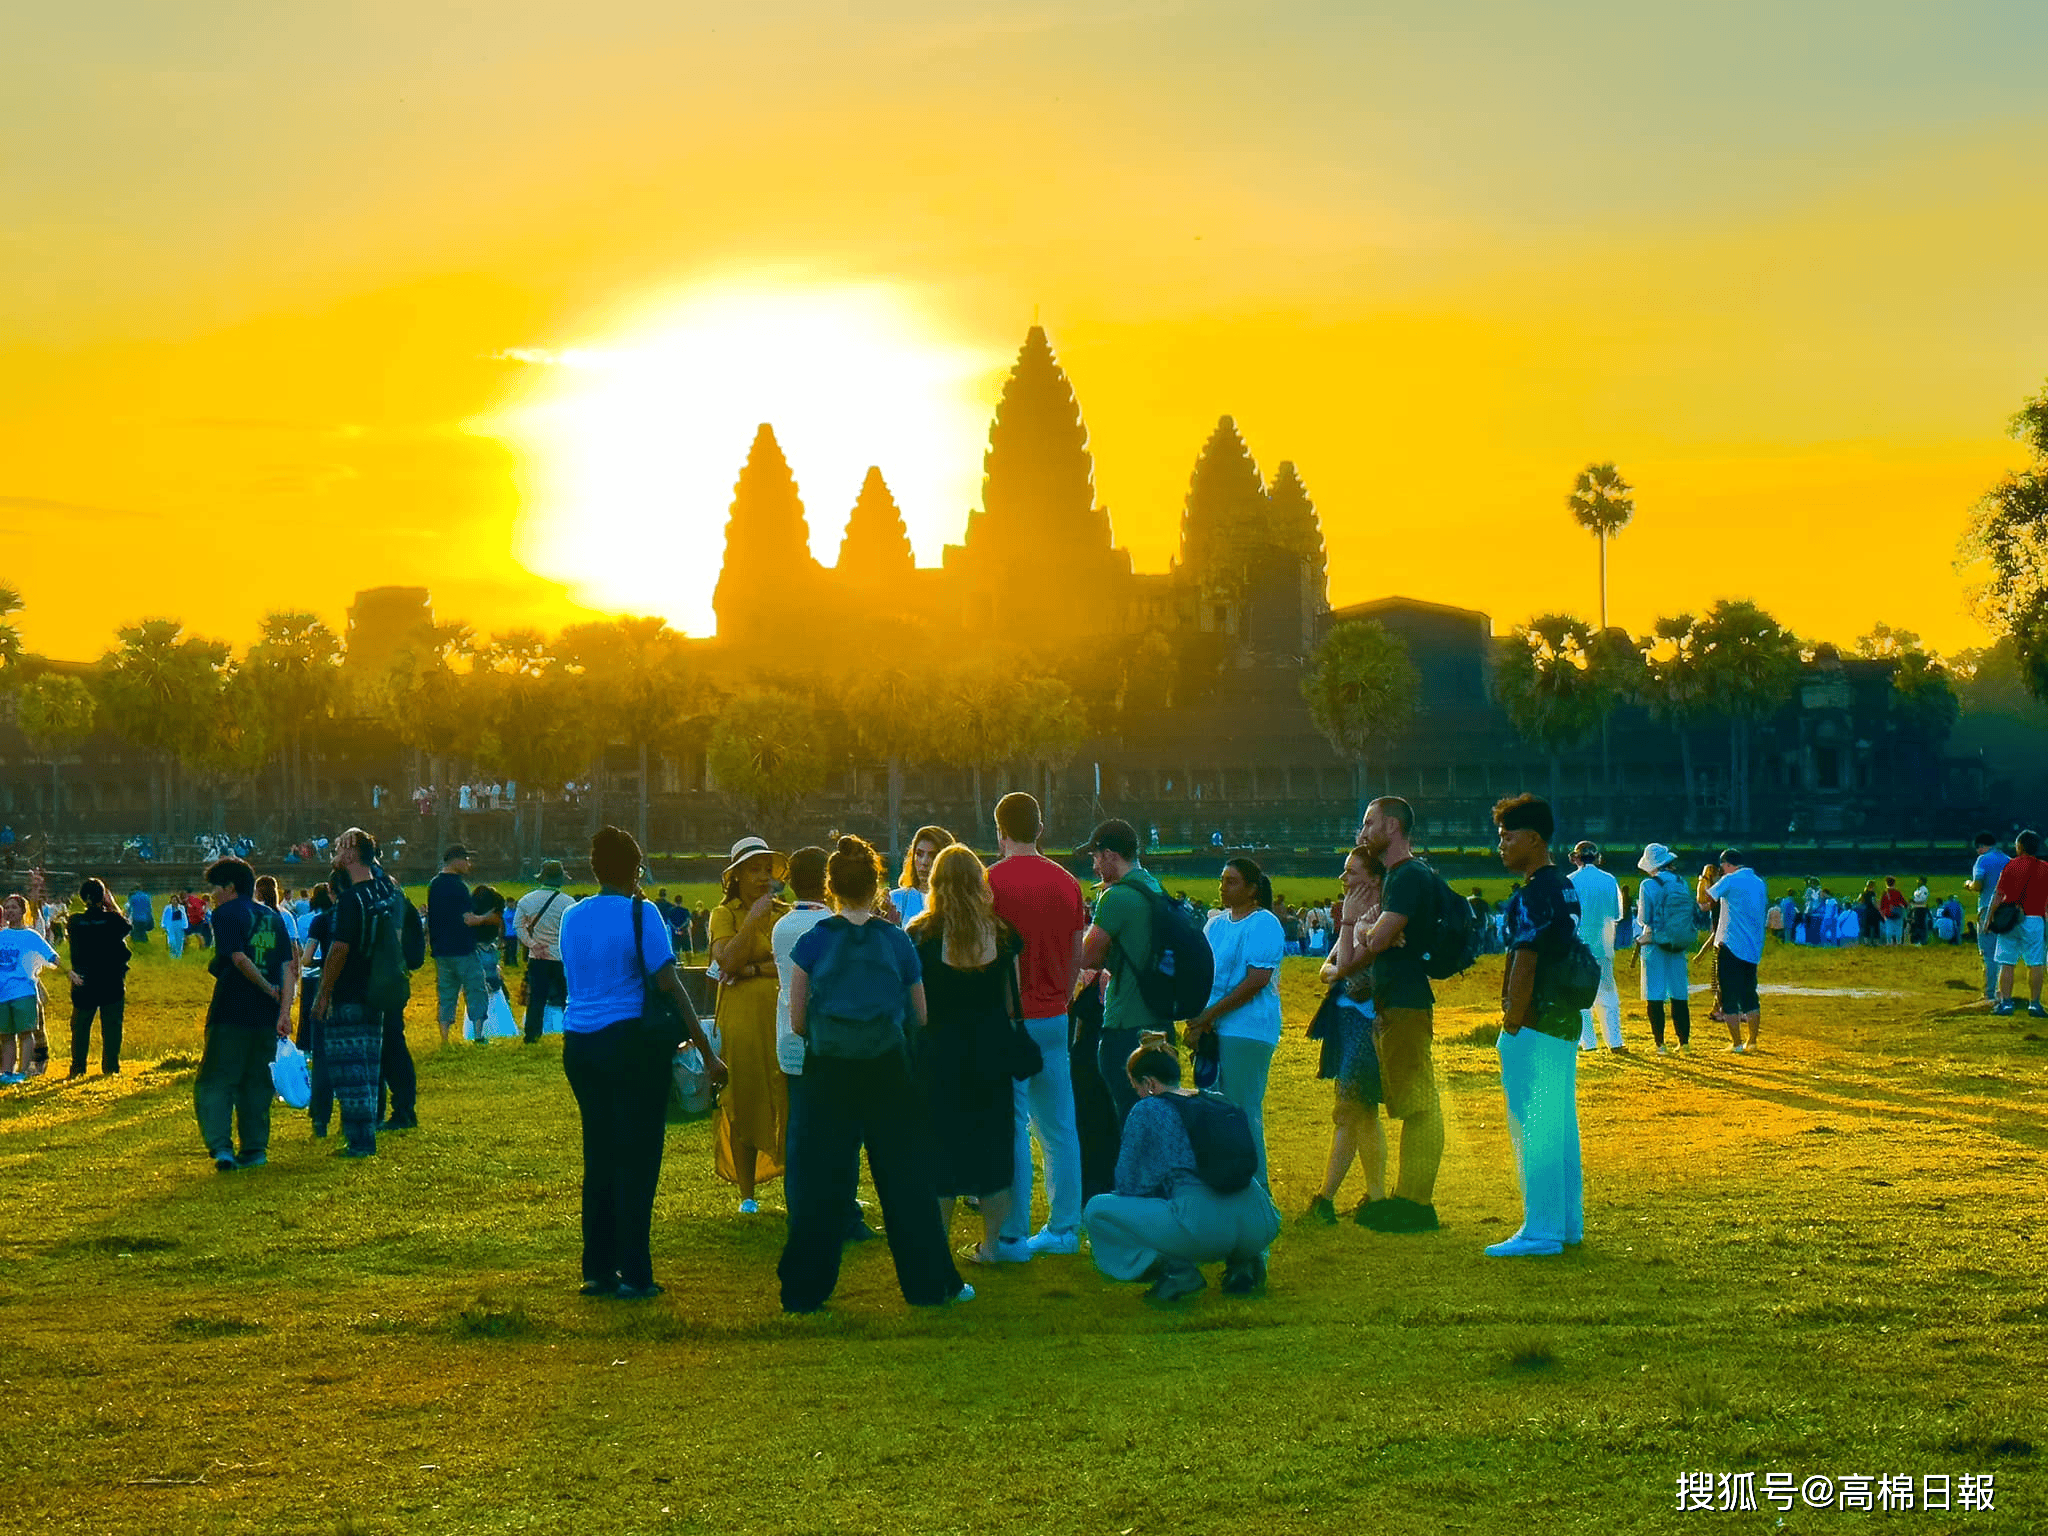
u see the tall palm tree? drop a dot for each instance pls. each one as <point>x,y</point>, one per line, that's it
<point>10,637</point>
<point>1361,690</point>
<point>56,714</point>
<point>1602,503</point>
<point>1553,690</point>
<point>887,711</point>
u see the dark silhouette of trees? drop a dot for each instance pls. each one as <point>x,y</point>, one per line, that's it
<point>160,691</point>
<point>1675,690</point>
<point>1361,688</point>
<point>767,753</point>
<point>1750,663</point>
<point>1553,692</point>
<point>2007,543</point>
<point>56,714</point>
<point>294,677</point>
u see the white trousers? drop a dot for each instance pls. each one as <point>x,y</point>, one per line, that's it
<point>1608,1006</point>
<point>1539,1076</point>
<point>1128,1234</point>
<point>1044,1102</point>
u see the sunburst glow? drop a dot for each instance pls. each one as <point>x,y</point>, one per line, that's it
<point>632,442</point>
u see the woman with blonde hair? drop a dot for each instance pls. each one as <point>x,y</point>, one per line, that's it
<point>753,1112</point>
<point>912,886</point>
<point>968,957</point>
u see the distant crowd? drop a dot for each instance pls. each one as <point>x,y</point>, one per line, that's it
<point>968,1025</point>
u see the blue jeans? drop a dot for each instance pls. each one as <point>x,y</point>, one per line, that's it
<point>1045,1102</point>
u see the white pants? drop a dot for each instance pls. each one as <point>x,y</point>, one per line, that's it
<point>1608,1005</point>
<point>1539,1077</point>
<point>1128,1234</point>
<point>1045,1102</point>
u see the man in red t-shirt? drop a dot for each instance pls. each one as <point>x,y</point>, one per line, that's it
<point>2022,883</point>
<point>1043,903</point>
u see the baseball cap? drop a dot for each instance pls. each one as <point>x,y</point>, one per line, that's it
<point>1586,850</point>
<point>456,851</point>
<point>1732,856</point>
<point>1113,836</point>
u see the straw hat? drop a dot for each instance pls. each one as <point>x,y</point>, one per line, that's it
<point>752,848</point>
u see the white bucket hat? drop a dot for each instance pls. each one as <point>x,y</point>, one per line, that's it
<point>1655,857</point>
<point>752,848</point>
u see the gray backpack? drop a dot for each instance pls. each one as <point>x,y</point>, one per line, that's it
<point>1673,916</point>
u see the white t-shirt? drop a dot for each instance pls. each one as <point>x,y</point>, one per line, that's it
<point>793,925</point>
<point>1254,944</point>
<point>1599,907</point>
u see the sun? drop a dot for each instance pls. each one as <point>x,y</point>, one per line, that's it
<point>629,444</point>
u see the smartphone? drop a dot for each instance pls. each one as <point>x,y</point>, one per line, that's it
<point>775,887</point>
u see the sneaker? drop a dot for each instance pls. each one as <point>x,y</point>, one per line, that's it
<point>1045,1240</point>
<point>965,1293</point>
<point>224,1162</point>
<point>395,1123</point>
<point>1663,1050</point>
<point>2002,1008</point>
<point>1619,1050</point>
<point>357,1152</point>
<point>608,1289</point>
<point>319,1133</point>
<point>1736,1049</point>
<point>1179,1281</point>
<point>2036,1011</point>
<point>750,1207</point>
<point>1519,1247</point>
<point>252,1160</point>
<point>1322,1211</point>
<point>9,1079</point>
<point>860,1232</point>
<point>645,1292</point>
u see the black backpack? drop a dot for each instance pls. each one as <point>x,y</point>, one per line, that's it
<point>1177,975</point>
<point>390,985</point>
<point>414,938</point>
<point>1451,935</point>
<point>1221,1134</point>
<point>1572,979</point>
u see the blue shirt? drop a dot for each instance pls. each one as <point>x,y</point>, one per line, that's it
<point>17,976</point>
<point>1989,866</point>
<point>139,912</point>
<point>1742,899</point>
<point>607,982</point>
<point>1255,944</point>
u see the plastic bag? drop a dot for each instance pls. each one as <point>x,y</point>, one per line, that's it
<point>551,1020</point>
<point>693,1081</point>
<point>290,1075</point>
<point>498,1021</point>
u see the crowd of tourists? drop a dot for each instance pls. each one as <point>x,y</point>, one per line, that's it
<point>967,1025</point>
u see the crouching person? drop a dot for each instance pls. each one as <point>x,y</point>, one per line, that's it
<point>1186,1194</point>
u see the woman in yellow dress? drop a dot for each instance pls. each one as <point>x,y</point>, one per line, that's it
<point>753,1112</point>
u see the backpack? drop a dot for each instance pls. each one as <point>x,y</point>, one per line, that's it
<point>414,939</point>
<point>1672,923</point>
<point>1572,980</point>
<point>1177,975</point>
<point>390,985</point>
<point>1451,935</point>
<point>1221,1134</point>
<point>855,1010</point>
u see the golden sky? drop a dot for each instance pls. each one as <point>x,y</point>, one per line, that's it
<point>488,298</point>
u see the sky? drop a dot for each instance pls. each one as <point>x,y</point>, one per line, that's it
<point>298,300</point>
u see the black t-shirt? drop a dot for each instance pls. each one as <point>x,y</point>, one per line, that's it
<point>351,906</point>
<point>448,902</point>
<point>240,927</point>
<point>319,934</point>
<point>99,944</point>
<point>1398,979</point>
<point>1543,917</point>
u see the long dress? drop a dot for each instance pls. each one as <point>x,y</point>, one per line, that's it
<point>963,1078</point>
<point>754,1106</point>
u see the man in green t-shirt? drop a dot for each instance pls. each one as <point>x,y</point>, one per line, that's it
<point>1120,942</point>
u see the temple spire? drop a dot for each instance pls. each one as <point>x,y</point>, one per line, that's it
<point>769,569</point>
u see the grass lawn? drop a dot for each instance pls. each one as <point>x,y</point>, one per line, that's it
<point>1821,1260</point>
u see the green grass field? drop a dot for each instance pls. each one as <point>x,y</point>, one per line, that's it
<point>1821,1260</point>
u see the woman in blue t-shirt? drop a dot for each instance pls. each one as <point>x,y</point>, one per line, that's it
<point>618,1062</point>
<point>1247,941</point>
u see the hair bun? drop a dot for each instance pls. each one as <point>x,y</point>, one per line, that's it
<point>849,844</point>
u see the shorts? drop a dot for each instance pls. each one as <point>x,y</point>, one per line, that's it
<point>18,1016</point>
<point>1664,975</point>
<point>2023,945</point>
<point>1402,1037</point>
<point>1736,981</point>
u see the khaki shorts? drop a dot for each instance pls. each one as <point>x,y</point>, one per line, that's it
<point>1402,1037</point>
<point>17,1016</point>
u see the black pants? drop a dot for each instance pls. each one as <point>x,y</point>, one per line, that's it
<point>109,999</point>
<point>842,1107</point>
<point>620,1077</point>
<point>398,1075</point>
<point>1112,1056</point>
<point>311,1040</point>
<point>1094,1110</point>
<point>544,986</point>
<point>1681,1018</point>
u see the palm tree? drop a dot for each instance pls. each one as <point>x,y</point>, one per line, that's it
<point>10,637</point>
<point>1603,503</point>
<point>642,686</point>
<point>887,711</point>
<point>767,753</point>
<point>1751,664</point>
<point>55,713</point>
<point>160,690</point>
<point>294,671</point>
<point>1050,727</point>
<point>977,724</point>
<point>1675,689</point>
<point>1361,691</point>
<point>1552,691</point>
<point>537,730</point>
